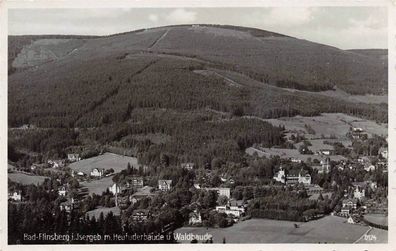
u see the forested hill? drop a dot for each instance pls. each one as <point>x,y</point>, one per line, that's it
<point>271,57</point>
<point>165,81</point>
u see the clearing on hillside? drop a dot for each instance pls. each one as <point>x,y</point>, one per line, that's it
<point>329,124</point>
<point>106,161</point>
<point>98,186</point>
<point>25,179</point>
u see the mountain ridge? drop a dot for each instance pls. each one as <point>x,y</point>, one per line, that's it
<point>55,74</point>
<point>288,62</point>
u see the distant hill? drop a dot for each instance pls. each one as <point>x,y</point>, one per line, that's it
<point>271,57</point>
<point>381,54</point>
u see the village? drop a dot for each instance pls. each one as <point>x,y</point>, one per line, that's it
<point>116,185</point>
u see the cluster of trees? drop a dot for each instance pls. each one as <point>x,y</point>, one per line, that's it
<point>286,205</point>
<point>43,216</point>
<point>33,216</point>
<point>339,148</point>
<point>40,213</point>
<point>108,89</point>
<point>304,148</point>
<point>48,142</point>
<point>112,99</point>
<point>192,138</point>
<point>369,147</point>
<point>122,177</point>
<point>298,86</point>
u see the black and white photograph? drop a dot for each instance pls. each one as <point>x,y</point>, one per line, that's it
<point>197,125</point>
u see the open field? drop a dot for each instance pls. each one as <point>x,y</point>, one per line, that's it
<point>105,210</point>
<point>98,186</point>
<point>106,161</point>
<point>330,229</point>
<point>289,153</point>
<point>336,124</point>
<point>25,179</point>
<point>46,50</point>
<point>342,95</point>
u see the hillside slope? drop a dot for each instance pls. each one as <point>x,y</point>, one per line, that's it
<point>270,57</point>
<point>183,90</point>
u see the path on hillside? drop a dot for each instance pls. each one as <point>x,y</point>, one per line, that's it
<point>336,94</point>
<point>228,80</point>
<point>159,39</point>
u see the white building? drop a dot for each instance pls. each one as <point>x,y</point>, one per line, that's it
<point>358,193</point>
<point>227,210</point>
<point>383,152</point>
<point>304,177</point>
<point>73,157</point>
<point>237,205</point>
<point>325,152</point>
<point>195,218</point>
<point>325,163</point>
<point>224,191</point>
<point>56,163</point>
<point>15,196</point>
<point>280,176</point>
<point>221,191</point>
<point>114,189</point>
<point>97,172</point>
<point>62,191</point>
<point>295,160</point>
<point>369,168</point>
<point>350,203</point>
<point>293,177</point>
<point>373,185</point>
<point>164,185</point>
<point>350,220</point>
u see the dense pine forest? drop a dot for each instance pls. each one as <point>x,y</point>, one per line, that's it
<point>160,91</point>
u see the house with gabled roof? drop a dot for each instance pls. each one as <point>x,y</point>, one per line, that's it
<point>164,185</point>
<point>15,196</point>
<point>97,172</point>
<point>195,217</point>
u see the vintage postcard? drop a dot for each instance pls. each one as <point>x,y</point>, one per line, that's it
<point>138,123</point>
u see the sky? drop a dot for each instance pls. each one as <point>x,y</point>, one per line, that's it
<point>342,27</point>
